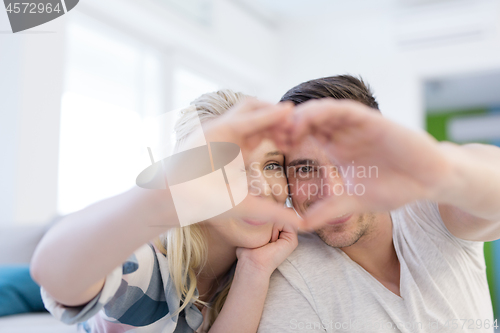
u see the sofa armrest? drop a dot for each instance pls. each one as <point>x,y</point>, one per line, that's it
<point>17,243</point>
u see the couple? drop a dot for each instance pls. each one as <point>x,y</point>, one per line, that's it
<point>399,222</point>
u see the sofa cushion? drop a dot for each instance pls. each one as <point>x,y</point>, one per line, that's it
<point>18,292</point>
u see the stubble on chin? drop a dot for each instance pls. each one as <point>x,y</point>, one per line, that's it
<point>346,235</point>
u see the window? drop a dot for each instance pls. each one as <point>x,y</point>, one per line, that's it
<point>113,84</point>
<point>188,86</point>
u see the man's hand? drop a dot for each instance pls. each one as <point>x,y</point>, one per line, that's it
<point>383,164</point>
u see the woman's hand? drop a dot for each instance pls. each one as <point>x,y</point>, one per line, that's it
<point>251,121</point>
<point>245,125</point>
<point>251,281</point>
<point>265,259</point>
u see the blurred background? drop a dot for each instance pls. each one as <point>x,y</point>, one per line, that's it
<point>76,91</point>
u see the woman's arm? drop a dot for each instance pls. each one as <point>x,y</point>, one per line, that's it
<point>73,258</point>
<point>244,304</point>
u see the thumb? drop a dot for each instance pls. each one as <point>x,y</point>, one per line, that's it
<point>328,209</point>
<point>265,210</point>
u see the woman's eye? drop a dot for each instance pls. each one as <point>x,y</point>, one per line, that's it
<point>272,166</point>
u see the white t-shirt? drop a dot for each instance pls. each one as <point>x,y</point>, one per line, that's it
<point>443,284</point>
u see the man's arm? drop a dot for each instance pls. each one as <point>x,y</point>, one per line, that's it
<point>409,166</point>
<point>470,197</point>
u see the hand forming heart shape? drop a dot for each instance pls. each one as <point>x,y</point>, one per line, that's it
<point>408,165</point>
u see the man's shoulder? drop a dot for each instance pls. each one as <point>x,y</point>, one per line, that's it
<point>308,241</point>
<point>423,217</point>
<point>311,255</point>
<point>310,245</point>
<point>419,226</point>
<point>420,220</point>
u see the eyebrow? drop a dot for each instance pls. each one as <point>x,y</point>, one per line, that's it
<point>274,153</point>
<point>303,161</point>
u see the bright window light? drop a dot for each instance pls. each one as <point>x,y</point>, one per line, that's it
<point>189,86</point>
<point>112,92</point>
<point>100,151</point>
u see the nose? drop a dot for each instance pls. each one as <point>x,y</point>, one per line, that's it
<point>328,186</point>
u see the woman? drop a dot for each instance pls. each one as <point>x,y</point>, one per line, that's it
<point>189,278</point>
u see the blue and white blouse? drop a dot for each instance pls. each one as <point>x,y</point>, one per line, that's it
<point>138,296</point>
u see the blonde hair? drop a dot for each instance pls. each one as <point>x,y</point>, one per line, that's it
<point>191,239</point>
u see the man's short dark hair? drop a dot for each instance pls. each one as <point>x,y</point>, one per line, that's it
<point>338,87</point>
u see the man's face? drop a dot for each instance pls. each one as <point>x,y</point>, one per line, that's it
<point>312,176</point>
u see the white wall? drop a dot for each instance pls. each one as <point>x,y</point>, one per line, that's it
<point>367,39</point>
<point>9,101</point>
<point>30,80</point>
<point>235,48</point>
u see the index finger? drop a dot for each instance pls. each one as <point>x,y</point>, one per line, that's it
<point>326,113</point>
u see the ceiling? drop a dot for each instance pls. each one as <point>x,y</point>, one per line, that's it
<point>294,9</point>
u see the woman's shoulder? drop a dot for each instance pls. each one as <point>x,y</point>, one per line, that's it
<point>146,266</point>
<point>138,293</point>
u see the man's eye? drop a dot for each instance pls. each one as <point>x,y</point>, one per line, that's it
<point>304,172</point>
<point>305,169</point>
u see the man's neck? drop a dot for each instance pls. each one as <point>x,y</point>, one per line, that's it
<point>375,252</point>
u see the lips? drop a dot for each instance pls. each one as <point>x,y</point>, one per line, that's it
<point>254,222</point>
<point>340,219</point>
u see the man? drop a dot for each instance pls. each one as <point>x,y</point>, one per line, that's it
<point>400,222</point>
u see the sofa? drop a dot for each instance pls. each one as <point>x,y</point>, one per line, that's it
<point>17,244</point>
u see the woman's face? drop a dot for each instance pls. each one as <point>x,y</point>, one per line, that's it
<point>266,179</point>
